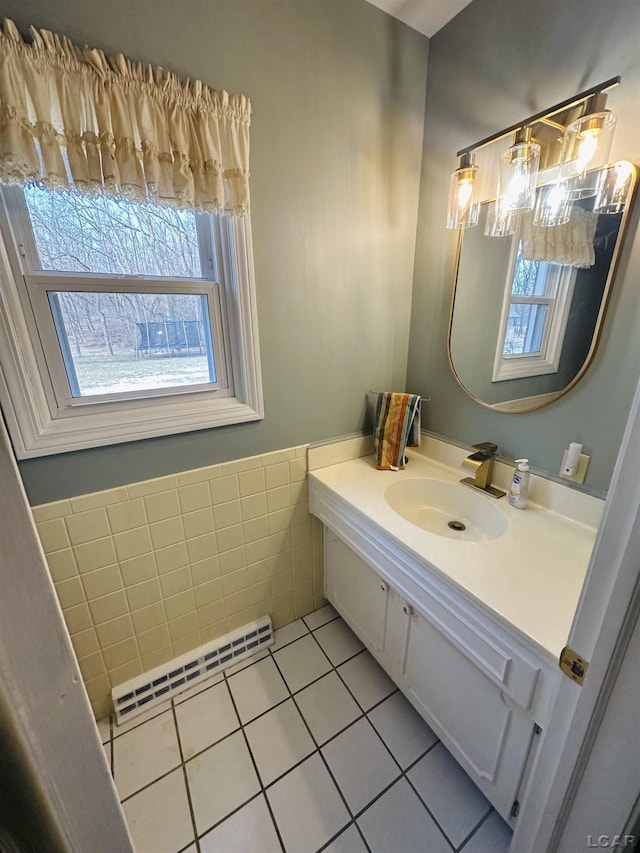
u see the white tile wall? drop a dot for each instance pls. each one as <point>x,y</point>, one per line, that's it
<point>148,571</point>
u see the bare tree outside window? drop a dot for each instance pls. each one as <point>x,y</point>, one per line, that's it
<point>124,341</point>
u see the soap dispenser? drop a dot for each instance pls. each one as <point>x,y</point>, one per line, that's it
<point>519,490</point>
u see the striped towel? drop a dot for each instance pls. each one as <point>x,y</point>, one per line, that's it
<point>396,425</point>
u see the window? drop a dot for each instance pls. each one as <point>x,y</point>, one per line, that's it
<point>124,320</point>
<point>534,317</point>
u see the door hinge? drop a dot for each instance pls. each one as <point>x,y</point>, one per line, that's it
<point>573,665</point>
<point>515,808</point>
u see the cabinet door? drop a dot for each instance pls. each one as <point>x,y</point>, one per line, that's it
<point>489,738</point>
<point>356,591</point>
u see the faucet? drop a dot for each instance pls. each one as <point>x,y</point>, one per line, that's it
<point>482,463</point>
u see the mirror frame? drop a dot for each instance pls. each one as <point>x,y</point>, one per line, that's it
<point>595,339</point>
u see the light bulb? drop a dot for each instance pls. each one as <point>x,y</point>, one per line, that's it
<point>553,205</point>
<point>519,172</point>
<point>585,148</point>
<point>464,208</point>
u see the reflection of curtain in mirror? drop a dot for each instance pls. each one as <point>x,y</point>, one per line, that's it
<point>570,244</point>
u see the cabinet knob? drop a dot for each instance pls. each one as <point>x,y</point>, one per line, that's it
<point>408,610</point>
<point>383,587</point>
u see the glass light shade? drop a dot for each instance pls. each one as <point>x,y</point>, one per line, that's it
<point>464,204</point>
<point>585,152</point>
<point>519,175</point>
<point>614,192</point>
<point>553,204</point>
<point>501,222</point>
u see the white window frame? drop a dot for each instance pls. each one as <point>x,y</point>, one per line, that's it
<point>547,360</point>
<point>43,420</point>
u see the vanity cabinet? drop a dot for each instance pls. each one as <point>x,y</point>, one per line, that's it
<point>473,687</point>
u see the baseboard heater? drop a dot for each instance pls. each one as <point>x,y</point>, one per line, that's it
<point>144,691</point>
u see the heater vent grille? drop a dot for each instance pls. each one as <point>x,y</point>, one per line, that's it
<point>143,692</point>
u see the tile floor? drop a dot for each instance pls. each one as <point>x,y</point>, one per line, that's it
<point>306,747</point>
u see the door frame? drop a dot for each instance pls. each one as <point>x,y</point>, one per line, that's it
<point>46,709</point>
<point>600,633</point>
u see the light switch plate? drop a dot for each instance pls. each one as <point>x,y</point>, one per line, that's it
<point>581,471</point>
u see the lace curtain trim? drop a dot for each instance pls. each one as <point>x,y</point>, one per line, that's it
<point>71,117</point>
<point>571,244</point>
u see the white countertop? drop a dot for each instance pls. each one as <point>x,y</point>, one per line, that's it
<point>530,577</point>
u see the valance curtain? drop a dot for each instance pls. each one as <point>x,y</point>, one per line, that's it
<point>71,117</point>
<point>571,244</point>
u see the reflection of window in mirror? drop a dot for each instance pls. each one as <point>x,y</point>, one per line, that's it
<point>534,317</point>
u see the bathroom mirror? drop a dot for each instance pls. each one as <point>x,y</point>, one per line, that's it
<point>523,332</point>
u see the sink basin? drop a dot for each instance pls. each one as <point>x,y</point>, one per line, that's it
<point>447,509</point>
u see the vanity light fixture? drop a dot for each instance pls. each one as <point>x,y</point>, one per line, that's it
<point>519,172</point>
<point>464,204</point>
<point>583,167</point>
<point>586,147</point>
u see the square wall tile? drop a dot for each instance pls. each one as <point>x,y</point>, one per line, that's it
<point>87,526</point>
<point>152,640</point>
<point>227,514</point>
<point>224,489</point>
<point>149,617</point>
<point>108,607</point>
<point>70,593</point>
<point>178,605</point>
<point>62,564</point>
<point>277,475</point>
<point>95,555</point>
<point>138,569</point>
<point>121,653</point>
<point>144,594</point>
<point>78,618</point>
<point>53,535</point>
<point>115,631</point>
<point>198,522</point>
<point>85,642</point>
<point>182,627</point>
<point>195,496</point>
<point>205,570</point>
<point>162,505</point>
<point>172,583</point>
<point>101,582</point>
<point>172,557</point>
<point>167,532</point>
<point>126,515</point>
<point>132,543</point>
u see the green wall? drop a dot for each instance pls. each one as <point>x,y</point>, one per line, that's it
<point>496,63</point>
<point>338,93</point>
